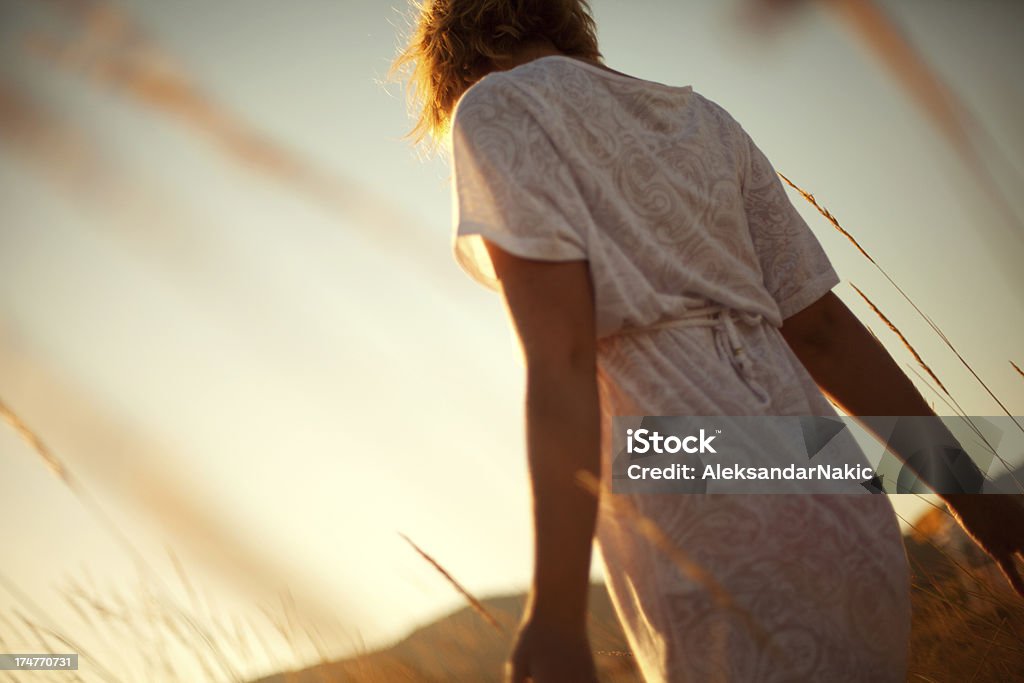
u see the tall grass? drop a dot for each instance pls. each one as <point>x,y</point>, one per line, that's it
<point>905,342</point>
<point>970,627</point>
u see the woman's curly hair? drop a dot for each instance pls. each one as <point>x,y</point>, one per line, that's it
<point>454,42</point>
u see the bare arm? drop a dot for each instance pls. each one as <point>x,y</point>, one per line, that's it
<point>848,363</point>
<point>552,308</point>
<point>852,367</point>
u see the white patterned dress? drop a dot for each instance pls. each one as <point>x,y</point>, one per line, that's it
<point>675,208</point>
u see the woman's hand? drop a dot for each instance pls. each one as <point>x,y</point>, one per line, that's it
<point>852,366</point>
<point>996,523</point>
<point>547,653</point>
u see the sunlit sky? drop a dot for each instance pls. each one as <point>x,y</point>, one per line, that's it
<point>273,374</point>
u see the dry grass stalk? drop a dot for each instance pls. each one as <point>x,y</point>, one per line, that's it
<point>36,444</point>
<point>906,343</point>
<point>54,464</point>
<point>935,328</point>
<point>989,595</point>
<point>64,474</point>
<point>950,402</point>
<point>1017,368</point>
<point>42,618</point>
<point>477,606</point>
<point>112,50</point>
<point>917,357</point>
<point>988,650</point>
<point>828,215</point>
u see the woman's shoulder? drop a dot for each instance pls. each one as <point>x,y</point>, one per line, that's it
<point>498,96</point>
<point>491,91</point>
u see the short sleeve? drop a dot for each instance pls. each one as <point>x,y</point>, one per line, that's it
<point>796,270</point>
<point>510,186</point>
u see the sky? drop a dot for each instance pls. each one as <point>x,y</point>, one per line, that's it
<point>229,307</point>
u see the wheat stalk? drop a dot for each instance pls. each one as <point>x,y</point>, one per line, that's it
<point>903,339</point>
<point>920,361</point>
<point>935,328</point>
<point>477,606</point>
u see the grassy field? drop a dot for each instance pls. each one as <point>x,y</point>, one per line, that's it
<point>967,626</point>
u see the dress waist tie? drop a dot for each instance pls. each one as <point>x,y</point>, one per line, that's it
<point>723,321</point>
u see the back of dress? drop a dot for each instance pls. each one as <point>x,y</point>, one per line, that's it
<point>657,186</point>
<point>675,208</point>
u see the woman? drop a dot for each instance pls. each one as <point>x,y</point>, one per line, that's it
<point>652,264</point>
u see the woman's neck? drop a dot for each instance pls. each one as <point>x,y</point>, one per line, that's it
<point>533,51</point>
<point>526,53</point>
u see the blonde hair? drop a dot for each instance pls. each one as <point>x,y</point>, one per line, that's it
<point>453,43</point>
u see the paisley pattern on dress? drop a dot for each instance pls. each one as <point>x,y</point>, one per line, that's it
<point>674,207</point>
